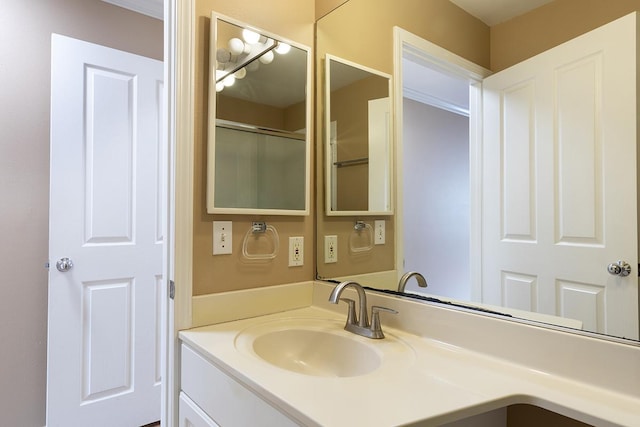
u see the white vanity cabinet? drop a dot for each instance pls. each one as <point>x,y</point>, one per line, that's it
<point>191,415</point>
<point>210,398</point>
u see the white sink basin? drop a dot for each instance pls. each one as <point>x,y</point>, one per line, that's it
<point>316,353</point>
<point>319,347</point>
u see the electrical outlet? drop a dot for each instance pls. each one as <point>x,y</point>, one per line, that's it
<point>296,251</point>
<point>379,232</point>
<point>330,249</point>
<point>222,232</point>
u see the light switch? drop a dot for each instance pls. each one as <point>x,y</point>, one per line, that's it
<point>222,241</point>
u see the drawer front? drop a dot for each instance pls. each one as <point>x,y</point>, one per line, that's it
<point>192,416</point>
<point>222,398</point>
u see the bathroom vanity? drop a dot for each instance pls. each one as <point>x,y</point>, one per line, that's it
<point>427,371</point>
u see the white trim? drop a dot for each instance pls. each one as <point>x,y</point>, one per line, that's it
<point>179,101</point>
<point>152,8</point>
<point>425,52</point>
<point>184,160</point>
<point>387,279</point>
<point>434,101</point>
<point>222,307</point>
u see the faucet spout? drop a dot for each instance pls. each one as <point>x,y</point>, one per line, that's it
<point>334,298</point>
<point>422,282</point>
<point>360,327</point>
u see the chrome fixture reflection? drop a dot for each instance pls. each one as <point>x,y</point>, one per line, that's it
<point>422,282</point>
<point>360,326</point>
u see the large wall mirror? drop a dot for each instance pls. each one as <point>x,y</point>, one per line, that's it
<point>428,116</point>
<point>258,146</point>
<point>357,139</point>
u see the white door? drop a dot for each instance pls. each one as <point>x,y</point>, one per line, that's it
<point>559,182</point>
<point>103,366</point>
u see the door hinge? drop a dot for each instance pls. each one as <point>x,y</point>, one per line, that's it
<point>172,289</point>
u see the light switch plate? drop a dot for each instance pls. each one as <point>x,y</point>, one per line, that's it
<point>379,232</point>
<point>296,251</point>
<point>330,249</point>
<point>222,237</point>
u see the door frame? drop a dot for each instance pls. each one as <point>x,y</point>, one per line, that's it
<point>179,77</point>
<point>434,56</point>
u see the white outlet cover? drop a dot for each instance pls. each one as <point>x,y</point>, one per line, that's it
<point>330,249</point>
<point>222,237</point>
<point>296,251</point>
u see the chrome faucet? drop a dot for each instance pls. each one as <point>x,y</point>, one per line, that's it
<point>361,325</point>
<point>422,282</point>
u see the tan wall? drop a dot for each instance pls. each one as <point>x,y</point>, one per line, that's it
<point>25,52</point>
<point>325,6</point>
<point>291,19</point>
<point>349,109</point>
<point>550,25</point>
<point>362,31</point>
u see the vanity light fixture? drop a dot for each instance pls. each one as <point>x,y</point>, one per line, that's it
<point>240,56</point>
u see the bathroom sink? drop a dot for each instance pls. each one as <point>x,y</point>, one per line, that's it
<point>320,348</point>
<point>317,353</point>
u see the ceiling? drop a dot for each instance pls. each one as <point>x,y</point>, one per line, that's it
<point>493,12</point>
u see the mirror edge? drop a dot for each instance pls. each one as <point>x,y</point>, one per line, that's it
<point>326,124</point>
<point>211,124</point>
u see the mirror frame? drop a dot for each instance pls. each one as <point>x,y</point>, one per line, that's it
<point>211,122</point>
<point>327,136</point>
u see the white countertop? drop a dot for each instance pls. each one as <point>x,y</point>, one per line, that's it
<point>433,382</point>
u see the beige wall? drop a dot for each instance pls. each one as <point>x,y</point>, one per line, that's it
<point>25,55</point>
<point>325,6</point>
<point>550,25</point>
<point>349,109</point>
<point>291,19</point>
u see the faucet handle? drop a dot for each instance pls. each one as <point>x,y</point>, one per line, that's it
<point>352,318</point>
<point>376,327</point>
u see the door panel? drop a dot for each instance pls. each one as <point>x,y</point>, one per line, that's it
<point>559,182</point>
<point>103,339</point>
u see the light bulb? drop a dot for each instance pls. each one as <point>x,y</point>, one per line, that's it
<point>266,58</point>
<point>250,37</point>
<point>253,66</point>
<point>240,74</point>
<point>223,55</point>
<point>229,80</point>
<point>219,87</point>
<point>238,47</point>
<point>283,48</point>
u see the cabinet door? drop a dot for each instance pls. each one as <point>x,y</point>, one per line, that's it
<point>192,416</point>
<point>224,399</point>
